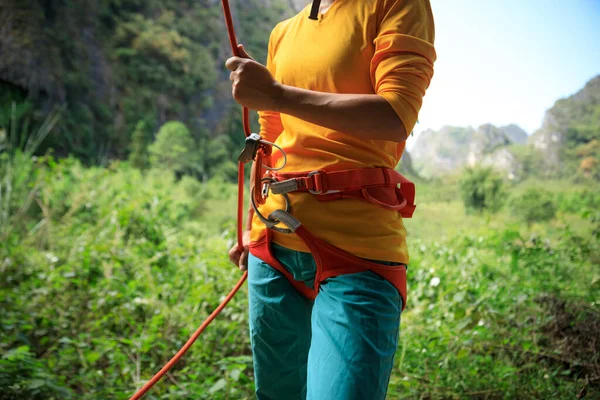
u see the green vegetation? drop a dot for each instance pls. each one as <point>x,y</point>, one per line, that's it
<point>106,271</point>
<point>481,189</point>
<point>580,115</point>
<point>534,205</point>
<point>114,63</point>
<point>139,147</point>
<point>116,213</point>
<point>571,134</point>
<point>174,149</point>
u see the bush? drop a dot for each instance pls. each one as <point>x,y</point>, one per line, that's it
<point>112,270</point>
<point>139,143</point>
<point>481,189</point>
<point>22,376</point>
<point>578,201</point>
<point>107,274</point>
<point>533,205</point>
<point>175,149</point>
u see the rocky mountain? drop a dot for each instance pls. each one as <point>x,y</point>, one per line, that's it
<point>568,142</point>
<point>440,152</point>
<point>515,133</point>
<point>405,166</point>
<point>569,138</point>
<point>451,148</point>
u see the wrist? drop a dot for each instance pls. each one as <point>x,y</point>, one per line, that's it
<point>282,100</point>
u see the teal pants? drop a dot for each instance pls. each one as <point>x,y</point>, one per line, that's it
<point>338,347</point>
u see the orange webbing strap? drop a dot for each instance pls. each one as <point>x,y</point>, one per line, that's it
<point>240,218</point>
<point>263,250</point>
<point>375,185</point>
<point>332,261</point>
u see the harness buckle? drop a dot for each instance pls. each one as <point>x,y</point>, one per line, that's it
<point>286,218</point>
<point>289,185</point>
<point>251,147</point>
<point>319,183</point>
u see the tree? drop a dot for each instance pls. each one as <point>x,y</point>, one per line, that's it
<point>139,143</point>
<point>534,205</point>
<point>175,149</point>
<point>482,189</point>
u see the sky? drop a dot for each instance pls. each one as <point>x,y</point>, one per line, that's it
<point>508,61</point>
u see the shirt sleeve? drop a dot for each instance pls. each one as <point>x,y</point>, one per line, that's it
<point>402,65</point>
<point>270,121</point>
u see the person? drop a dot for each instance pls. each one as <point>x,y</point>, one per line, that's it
<point>339,91</point>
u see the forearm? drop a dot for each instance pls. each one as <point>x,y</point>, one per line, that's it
<point>367,116</point>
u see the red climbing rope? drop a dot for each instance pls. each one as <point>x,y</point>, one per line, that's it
<point>189,343</point>
<point>240,217</point>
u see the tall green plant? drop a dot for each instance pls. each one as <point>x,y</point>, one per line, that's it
<point>534,205</point>
<point>17,166</point>
<point>175,149</point>
<point>482,189</point>
<point>139,146</point>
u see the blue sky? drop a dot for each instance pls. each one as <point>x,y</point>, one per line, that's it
<point>508,61</point>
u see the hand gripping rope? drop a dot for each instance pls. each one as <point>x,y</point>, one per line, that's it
<point>255,148</point>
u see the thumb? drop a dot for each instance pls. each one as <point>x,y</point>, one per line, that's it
<point>243,263</point>
<point>243,53</point>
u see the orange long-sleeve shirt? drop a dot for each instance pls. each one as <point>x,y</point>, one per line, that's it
<point>382,47</point>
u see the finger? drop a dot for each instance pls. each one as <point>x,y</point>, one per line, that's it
<point>233,63</point>
<point>234,256</point>
<point>243,52</point>
<point>243,264</point>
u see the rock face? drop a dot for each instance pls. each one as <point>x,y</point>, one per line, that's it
<point>405,166</point>
<point>504,160</point>
<point>452,148</point>
<point>117,63</point>
<point>440,152</point>
<point>515,133</point>
<point>490,147</point>
<point>486,140</point>
<point>551,139</point>
<point>567,142</point>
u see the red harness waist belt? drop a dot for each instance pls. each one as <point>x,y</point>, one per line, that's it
<point>374,185</point>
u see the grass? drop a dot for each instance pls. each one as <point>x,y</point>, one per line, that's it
<point>105,272</point>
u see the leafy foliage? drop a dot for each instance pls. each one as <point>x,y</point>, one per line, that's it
<point>481,189</point>
<point>174,148</point>
<point>106,271</point>
<point>139,143</point>
<point>117,258</point>
<point>117,62</point>
<point>534,205</point>
<point>571,133</point>
<point>24,376</point>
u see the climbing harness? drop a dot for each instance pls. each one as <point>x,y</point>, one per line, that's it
<point>384,187</point>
